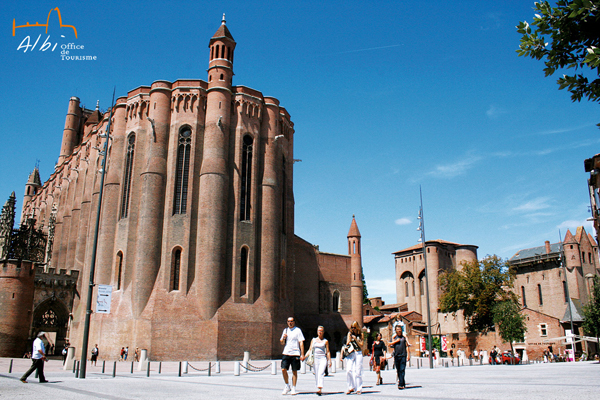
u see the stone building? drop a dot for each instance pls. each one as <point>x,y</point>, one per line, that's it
<point>543,286</point>
<point>410,282</point>
<point>196,232</point>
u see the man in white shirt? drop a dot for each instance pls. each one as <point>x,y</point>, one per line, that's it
<point>293,353</point>
<point>38,357</point>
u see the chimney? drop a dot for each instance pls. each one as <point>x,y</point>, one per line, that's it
<point>547,247</point>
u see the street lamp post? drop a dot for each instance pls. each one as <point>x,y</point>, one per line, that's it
<point>88,310</point>
<point>422,240</point>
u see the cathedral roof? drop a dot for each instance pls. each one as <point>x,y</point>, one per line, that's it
<point>430,242</point>
<point>592,241</point>
<point>555,249</point>
<point>34,177</point>
<point>222,32</point>
<point>577,314</point>
<point>569,237</point>
<point>353,232</point>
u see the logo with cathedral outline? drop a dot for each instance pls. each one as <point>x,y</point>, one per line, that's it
<point>34,41</point>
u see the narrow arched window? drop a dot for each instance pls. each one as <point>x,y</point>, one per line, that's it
<point>336,301</point>
<point>523,296</point>
<point>246,178</point>
<point>540,295</point>
<point>406,289</point>
<point>243,271</point>
<point>283,196</point>
<point>175,269</point>
<point>565,291</point>
<point>119,269</point>
<point>127,176</point>
<point>223,51</point>
<point>182,172</point>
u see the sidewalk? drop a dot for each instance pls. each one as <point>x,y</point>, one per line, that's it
<point>536,381</point>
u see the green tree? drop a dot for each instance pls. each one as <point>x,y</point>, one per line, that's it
<point>509,322</point>
<point>365,291</point>
<point>566,36</point>
<point>475,288</point>
<point>591,312</point>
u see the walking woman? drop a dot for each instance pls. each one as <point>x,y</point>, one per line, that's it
<point>401,355</point>
<point>378,357</point>
<point>355,359</point>
<point>320,347</point>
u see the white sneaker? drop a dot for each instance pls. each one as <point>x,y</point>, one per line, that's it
<point>286,389</point>
<point>293,392</point>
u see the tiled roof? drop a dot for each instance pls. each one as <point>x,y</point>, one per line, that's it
<point>534,252</point>
<point>427,243</point>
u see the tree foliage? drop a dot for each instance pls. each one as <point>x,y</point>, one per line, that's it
<point>566,36</point>
<point>476,288</point>
<point>509,322</point>
<point>591,311</point>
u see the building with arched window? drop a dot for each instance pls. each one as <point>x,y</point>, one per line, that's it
<point>196,234</point>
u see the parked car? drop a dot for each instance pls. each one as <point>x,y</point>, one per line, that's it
<point>506,358</point>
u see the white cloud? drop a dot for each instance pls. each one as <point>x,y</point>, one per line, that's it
<point>403,221</point>
<point>540,203</point>
<point>454,169</point>
<point>494,112</point>
<point>573,224</point>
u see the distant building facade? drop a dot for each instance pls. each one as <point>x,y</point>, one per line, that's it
<point>196,234</point>
<point>410,282</point>
<point>546,287</point>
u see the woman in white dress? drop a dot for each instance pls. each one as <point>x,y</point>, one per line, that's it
<point>320,347</point>
<point>355,359</point>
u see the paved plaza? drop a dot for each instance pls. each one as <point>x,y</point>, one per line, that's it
<point>535,381</point>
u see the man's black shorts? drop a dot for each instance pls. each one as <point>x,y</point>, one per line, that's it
<point>294,361</point>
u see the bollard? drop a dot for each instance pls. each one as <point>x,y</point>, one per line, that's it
<point>236,368</point>
<point>76,370</point>
<point>185,367</point>
<point>302,367</point>
<point>10,366</point>
<point>115,369</point>
<point>273,368</point>
<point>418,362</point>
<point>246,361</point>
<point>332,369</point>
<point>159,367</point>
<point>218,367</point>
<point>132,367</point>
<point>148,371</point>
<point>74,366</point>
<point>103,365</point>
<point>209,367</point>
<point>179,368</point>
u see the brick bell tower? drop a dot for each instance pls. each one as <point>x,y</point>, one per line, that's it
<point>356,283</point>
<point>212,224</point>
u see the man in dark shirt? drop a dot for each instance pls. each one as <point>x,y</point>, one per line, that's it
<point>401,355</point>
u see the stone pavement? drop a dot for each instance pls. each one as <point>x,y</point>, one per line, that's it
<point>535,381</point>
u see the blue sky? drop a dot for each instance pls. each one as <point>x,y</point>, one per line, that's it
<point>386,96</point>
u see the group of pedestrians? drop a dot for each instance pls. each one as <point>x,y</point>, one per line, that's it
<point>293,354</point>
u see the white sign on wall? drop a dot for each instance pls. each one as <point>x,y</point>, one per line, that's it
<point>103,299</point>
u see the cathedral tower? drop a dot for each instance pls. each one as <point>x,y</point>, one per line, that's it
<point>212,221</point>
<point>356,283</point>
<point>32,186</point>
<point>71,130</point>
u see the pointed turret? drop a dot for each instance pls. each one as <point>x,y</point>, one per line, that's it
<point>356,283</point>
<point>212,232</point>
<point>33,185</point>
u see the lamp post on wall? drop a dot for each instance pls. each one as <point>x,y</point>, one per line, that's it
<point>421,228</point>
<point>88,310</point>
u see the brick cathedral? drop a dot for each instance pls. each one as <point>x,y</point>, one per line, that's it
<point>196,232</point>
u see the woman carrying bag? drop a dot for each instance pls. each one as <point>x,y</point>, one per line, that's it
<point>355,359</point>
<point>378,357</point>
<point>319,347</point>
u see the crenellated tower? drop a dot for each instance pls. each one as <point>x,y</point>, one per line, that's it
<point>71,131</point>
<point>214,180</point>
<point>356,283</point>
